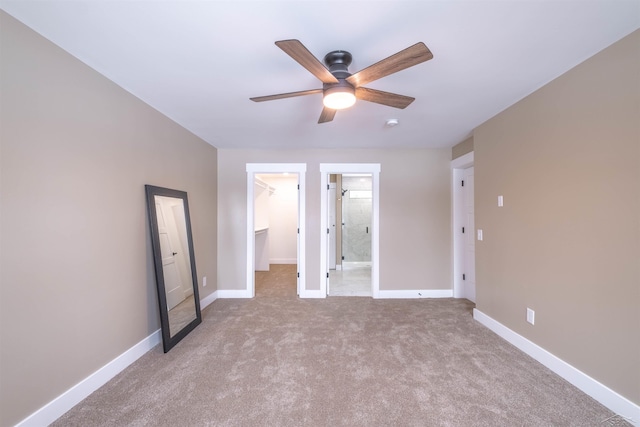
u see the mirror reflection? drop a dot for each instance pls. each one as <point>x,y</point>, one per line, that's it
<point>174,263</point>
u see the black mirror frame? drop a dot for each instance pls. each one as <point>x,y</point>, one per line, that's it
<point>168,342</point>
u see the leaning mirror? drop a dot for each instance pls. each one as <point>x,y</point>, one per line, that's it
<point>175,264</point>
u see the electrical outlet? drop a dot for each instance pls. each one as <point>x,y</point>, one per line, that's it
<point>500,201</point>
<point>479,234</point>
<point>204,281</point>
<point>531,316</point>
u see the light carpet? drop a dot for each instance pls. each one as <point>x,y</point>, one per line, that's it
<point>277,360</point>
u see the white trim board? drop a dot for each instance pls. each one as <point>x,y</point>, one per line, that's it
<point>234,293</point>
<point>415,294</point>
<point>603,394</point>
<point>70,398</point>
<point>304,293</point>
<point>204,302</point>
<point>457,199</point>
<point>67,400</point>
<point>287,261</point>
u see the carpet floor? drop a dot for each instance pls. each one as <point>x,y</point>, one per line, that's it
<point>277,360</point>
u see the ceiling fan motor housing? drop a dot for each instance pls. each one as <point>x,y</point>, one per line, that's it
<point>338,62</point>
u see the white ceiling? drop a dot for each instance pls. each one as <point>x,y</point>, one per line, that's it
<point>198,62</point>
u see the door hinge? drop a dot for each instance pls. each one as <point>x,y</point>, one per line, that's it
<point>464,276</point>
<point>298,186</point>
<point>463,182</point>
<point>327,186</point>
<point>327,231</point>
<point>327,275</point>
<point>298,231</point>
<point>462,230</point>
<point>298,275</point>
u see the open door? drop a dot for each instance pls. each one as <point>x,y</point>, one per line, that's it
<point>369,169</point>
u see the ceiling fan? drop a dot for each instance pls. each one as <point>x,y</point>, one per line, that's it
<point>341,88</point>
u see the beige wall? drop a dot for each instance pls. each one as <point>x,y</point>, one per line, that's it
<point>415,213</point>
<point>567,241</point>
<point>77,282</point>
<point>462,148</point>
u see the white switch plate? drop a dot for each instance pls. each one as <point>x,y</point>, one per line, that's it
<point>204,281</point>
<point>531,316</point>
<point>479,234</point>
<point>500,201</point>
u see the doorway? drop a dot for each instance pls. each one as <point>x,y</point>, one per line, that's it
<point>464,285</point>
<point>259,225</point>
<point>351,215</point>
<point>358,248</point>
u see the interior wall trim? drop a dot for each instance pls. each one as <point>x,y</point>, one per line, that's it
<point>305,293</point>
<point>288,261</point>
<point>204,302</point>
<point>67,400</point>
<point>457,199</point>
<point>415,294</point>
<point>234,293</point>
<point>600,392</point>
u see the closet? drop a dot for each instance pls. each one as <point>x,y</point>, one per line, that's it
<point>262,192</point>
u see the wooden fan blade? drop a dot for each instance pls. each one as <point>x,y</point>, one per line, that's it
<point>285,95</point>
<point>301,54</point>
<point>409,57</point>
<point>384,98</point>
<point>327,115</point>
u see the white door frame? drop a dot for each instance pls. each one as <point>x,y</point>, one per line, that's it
<point>252,170</point>
<point>457,203</point>
<point>331,213</point>
<point>344,168</point>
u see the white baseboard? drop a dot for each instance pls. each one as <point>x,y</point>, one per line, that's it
<point>63,403</point>
<point>283,261</point>
<point>312,294</point>
<point>350,293</point>
<point>401,294</point>
<point>67,400</point>
<point>233,293</point>
<point>603,394</point>
<point>411,294</point>
<point>208,299</point>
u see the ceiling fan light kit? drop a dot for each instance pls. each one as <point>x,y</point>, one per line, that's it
<point>340,89</point>
<point>339,96</point>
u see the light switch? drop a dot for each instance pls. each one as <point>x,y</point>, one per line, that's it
<point>500,201</point>
<point>204,281</point>
<point>479,234</point>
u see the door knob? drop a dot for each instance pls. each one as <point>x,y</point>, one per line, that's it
<point>174,254</point>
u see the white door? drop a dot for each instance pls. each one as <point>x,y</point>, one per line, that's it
<point>469,281</point>
<point>332,226</point>
<point>181,245</point>
<point>172,283</point>
<point>298,243</point>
